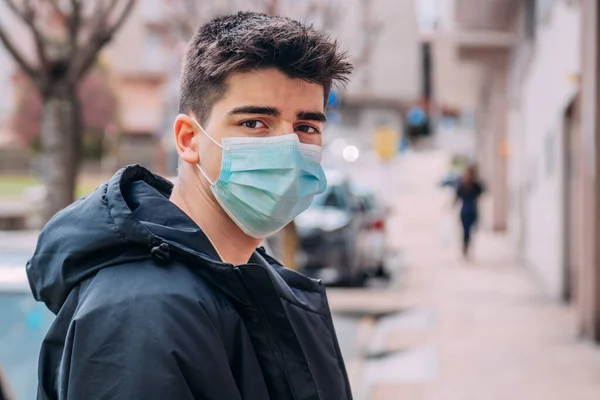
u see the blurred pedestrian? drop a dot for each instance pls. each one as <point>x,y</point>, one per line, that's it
<point>468,192</point>
<point>160,290</point>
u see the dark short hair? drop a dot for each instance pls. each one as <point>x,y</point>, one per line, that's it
<point>249,41</point>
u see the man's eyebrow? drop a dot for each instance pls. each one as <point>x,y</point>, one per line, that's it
<point>265,110</point>
<point>262,110</point>
<point>312,116</point>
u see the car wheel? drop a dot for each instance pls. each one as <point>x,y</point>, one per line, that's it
<point>352,275</point>
<point>360,279</point>
<point>382,272</point>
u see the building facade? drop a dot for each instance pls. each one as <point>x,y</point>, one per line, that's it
<point>456,82</point>
<point>144,62</point>
<point>382,37</point>
<point>537,131</point>
<point>542,94</point>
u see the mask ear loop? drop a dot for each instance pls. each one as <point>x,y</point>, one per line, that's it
<point>204,174</point>
<point>212,140</point>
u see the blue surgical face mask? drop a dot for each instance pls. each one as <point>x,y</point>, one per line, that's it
<point>266,182</point>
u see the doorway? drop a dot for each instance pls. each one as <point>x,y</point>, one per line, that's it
<point>572,192</point>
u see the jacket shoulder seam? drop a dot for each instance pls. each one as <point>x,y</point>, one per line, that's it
<point>299,305</point>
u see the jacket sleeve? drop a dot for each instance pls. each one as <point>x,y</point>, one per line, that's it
<point>147,348</point>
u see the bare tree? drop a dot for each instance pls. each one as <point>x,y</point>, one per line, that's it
<point>67,37</point>
<point>99,107</point>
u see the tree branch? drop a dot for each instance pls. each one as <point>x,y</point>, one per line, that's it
<point>39,41</point>
<point>21,13</point>
<point>11,4</point>
<point>18,57</point>
<point>122,18</point>
<point>56,7</point>
<point>109,8</point>
<point>101,16</point>
<point>74,24</point>
<point>100,36</point>
<point>28,16</point>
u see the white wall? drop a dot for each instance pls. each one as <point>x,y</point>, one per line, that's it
<point>516,179</point>
<point>546,92</point>
<point>518,173</point>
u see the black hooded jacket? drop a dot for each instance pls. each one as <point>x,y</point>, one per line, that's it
<point>146,309</point>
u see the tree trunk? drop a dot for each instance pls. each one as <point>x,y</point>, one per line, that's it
<point>61,137</point>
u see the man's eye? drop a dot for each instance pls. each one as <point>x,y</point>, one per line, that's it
<point>307,129</point>
<point>254,124</point>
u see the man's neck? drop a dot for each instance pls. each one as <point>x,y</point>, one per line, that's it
<point>232,244</point>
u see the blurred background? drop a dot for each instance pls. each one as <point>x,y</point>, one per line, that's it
<point>511,86</point>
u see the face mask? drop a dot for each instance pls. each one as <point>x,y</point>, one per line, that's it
<point>266,182</point>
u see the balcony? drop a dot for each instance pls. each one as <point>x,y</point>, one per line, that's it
<point>485,29</point>
<point>486,15</point>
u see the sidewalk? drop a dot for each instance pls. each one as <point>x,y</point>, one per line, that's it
<point>464,331</point>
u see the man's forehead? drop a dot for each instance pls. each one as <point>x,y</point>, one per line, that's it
<point>273,89</point>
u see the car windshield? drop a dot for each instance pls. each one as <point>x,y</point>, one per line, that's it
<point>332,197</point>
<point>24,325</point>
<point>370,202</point>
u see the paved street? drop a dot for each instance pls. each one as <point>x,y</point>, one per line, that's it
<point>445,329</point>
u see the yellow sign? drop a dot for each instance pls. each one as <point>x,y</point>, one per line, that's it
<point>385,143</point>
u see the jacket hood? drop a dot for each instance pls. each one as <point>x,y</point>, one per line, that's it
<point>126,219</point>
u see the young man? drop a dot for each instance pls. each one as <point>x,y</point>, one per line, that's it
<point>159,291</point>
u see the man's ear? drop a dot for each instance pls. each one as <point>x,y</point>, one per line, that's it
<point>184,130</point>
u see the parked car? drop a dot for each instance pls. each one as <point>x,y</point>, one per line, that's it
<point>24,323</point>
<point>329,232</point>
<point>375,216</point>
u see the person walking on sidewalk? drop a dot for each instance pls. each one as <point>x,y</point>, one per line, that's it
<point>159,290</point>
<point>468,192</point>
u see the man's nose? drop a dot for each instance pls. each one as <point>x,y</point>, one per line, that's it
<point>285,128</point>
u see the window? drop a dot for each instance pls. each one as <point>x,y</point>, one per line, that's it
<point>544,9</point>
<point>332,200</point>
<point>426,67</point>
<point>334,197</point>
<point>530,19</point>
<point>152,52</point>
